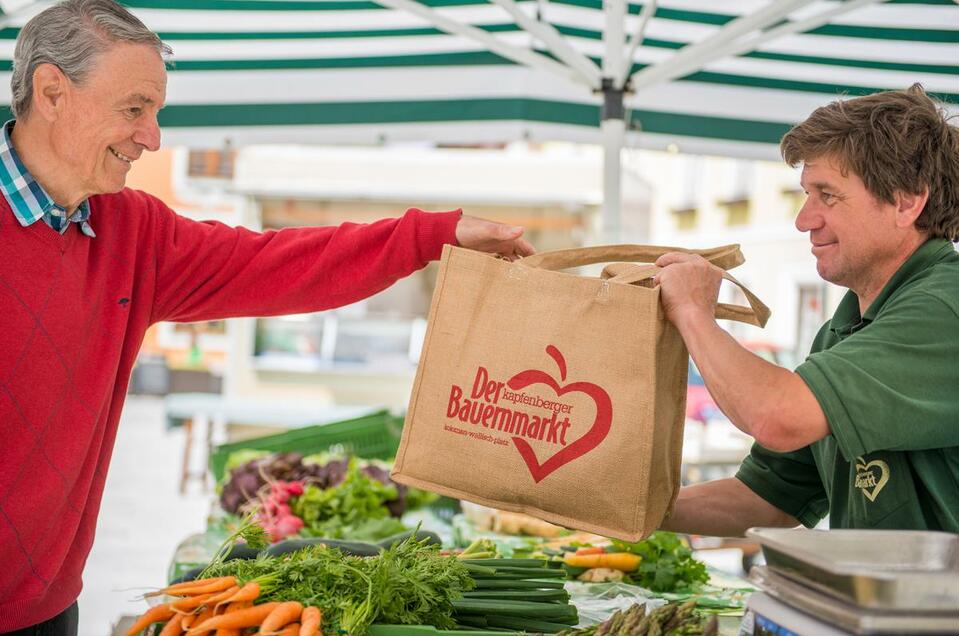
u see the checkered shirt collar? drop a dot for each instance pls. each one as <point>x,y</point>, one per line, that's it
<point>27,198</point>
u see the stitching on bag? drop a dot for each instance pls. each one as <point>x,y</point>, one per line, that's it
<point>517,272</point>
<point>602,296</point>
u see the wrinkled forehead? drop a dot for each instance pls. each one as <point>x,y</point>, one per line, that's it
<point>826,169</point>
<point>132,72</point>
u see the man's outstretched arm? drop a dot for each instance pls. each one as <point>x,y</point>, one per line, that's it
<point>723,508</point>
<point>769,403</point>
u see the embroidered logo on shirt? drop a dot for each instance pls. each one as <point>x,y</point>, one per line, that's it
<point>871,477</point>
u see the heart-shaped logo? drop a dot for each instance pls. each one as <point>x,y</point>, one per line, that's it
<point>866,479</point>
<point>593,437</point>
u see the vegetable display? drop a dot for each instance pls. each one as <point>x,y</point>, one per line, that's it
<point>246,480</point>
<point>667,563</point>
<point>409,583</point>
<point>317,496</point>
<point>514,594</point>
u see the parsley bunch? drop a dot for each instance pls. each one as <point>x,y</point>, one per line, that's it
<point>407,584</point>
<point>668,564</point>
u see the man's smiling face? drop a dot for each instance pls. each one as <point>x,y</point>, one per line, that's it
<point>852,233</point>
<point>111,118</point>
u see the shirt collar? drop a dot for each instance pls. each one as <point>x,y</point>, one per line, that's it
<point>847,318</point>
<point>27,198</point>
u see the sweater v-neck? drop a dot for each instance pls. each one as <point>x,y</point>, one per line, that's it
<point>48,235</point>
<point>40,231</point>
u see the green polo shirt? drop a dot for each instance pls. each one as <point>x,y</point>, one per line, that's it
<point>888,383</point>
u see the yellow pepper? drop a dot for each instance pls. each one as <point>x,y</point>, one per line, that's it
<point>622,561</point>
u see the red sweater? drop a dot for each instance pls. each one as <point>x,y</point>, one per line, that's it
<point>74,311</point>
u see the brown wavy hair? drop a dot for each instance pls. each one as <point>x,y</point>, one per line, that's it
<point>895,141</point>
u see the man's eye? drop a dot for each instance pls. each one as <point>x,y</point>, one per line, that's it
<point>827,197</point>
<point>134,111</point>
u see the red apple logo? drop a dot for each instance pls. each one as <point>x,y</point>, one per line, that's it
<point>596,434</point>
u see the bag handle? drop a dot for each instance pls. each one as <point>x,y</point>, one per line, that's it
<point>756,314</point>
<point>725,257</point>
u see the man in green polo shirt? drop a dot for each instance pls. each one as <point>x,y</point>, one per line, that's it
<point>866,430</point>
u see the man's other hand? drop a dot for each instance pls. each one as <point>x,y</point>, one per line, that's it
<point>495,238</point>
<point>689,286</point>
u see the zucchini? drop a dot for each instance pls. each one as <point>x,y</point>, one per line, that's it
<point>560,612</point>
<point>352,548</point>
<point>525,624</point>
<point>520,595</point>
<point>520,584</point>
<point>479,570</point>
<point>531,573</point>
<point>512,576</point>
<point>510,563</point>
<point>472,621</point>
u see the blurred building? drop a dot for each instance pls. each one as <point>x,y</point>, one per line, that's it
<point>708,201</point>
<point>366,353</point>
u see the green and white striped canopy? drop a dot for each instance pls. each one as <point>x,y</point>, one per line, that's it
<point>724,77</point>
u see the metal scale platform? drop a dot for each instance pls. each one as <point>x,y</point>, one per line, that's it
<point>836,582</point>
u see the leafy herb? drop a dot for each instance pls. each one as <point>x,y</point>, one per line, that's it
<point>354,509</point>
<point>249,531</point>
<point>407,584</point>
<point>668,564</point>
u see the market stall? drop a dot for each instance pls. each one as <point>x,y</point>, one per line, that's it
<point>327,528</point>
<point>328,543</point>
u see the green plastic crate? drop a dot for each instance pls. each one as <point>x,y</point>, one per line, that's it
<point>373,436</point>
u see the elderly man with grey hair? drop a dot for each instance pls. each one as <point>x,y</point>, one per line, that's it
<point>89,265</point>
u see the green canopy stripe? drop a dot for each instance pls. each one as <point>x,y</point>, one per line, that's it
<point>662,13</point>
<point>346,113</point>
<point>484,58</point>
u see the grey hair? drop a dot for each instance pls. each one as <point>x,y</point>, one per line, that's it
<point>71,35</point>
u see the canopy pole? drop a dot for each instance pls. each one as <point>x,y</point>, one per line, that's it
<point>613,132</point>
<point>612,120</point>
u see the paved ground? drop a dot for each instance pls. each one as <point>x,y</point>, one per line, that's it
<point>142,519</point>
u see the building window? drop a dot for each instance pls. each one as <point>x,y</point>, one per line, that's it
<point>330,339</point>
<point>737,212</point>
<point>686,219</point>
<point>212,164</point>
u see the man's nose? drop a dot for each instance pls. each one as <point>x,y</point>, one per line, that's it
<point>806,219</point>
<point>148,135</point>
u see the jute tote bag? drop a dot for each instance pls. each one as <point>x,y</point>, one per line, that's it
<point>554,394</point>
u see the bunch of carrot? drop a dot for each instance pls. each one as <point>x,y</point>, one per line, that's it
<point>222,607</point>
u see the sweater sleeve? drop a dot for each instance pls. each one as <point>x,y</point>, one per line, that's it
<point>208,270</point>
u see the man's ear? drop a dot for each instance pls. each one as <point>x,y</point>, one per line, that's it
<point>909,206</point>
<point>49,90</point>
